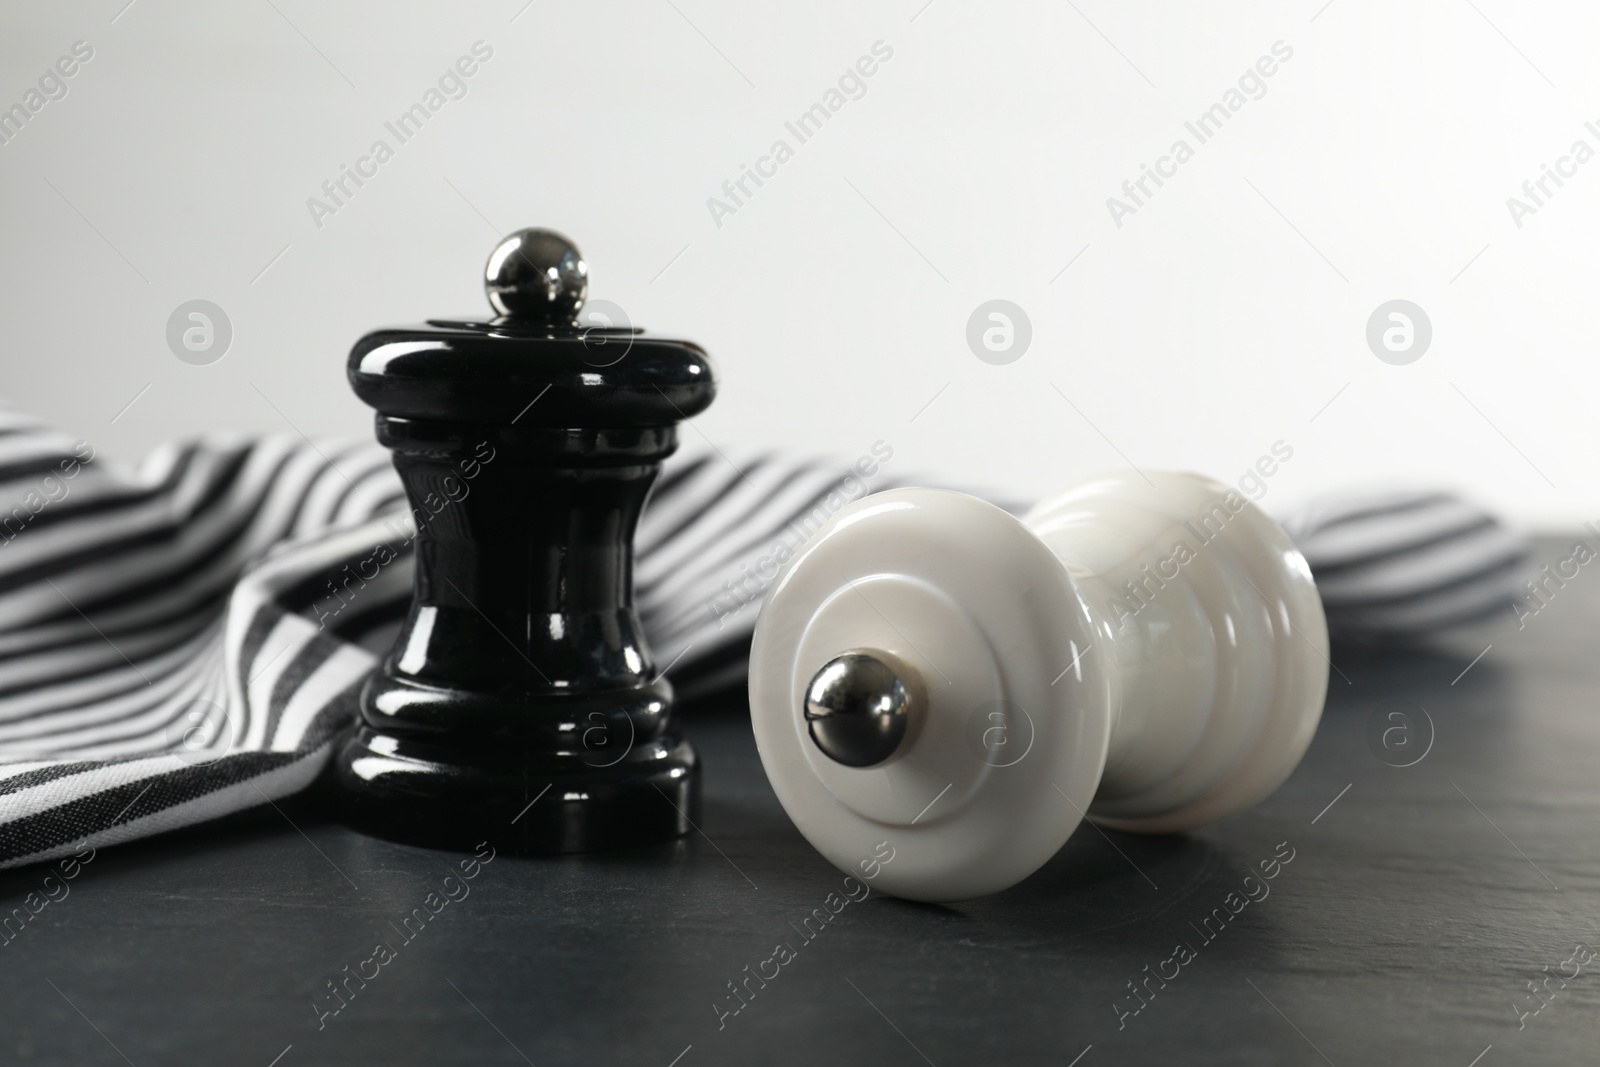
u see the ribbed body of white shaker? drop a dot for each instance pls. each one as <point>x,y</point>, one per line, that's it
<point>1147,649</point>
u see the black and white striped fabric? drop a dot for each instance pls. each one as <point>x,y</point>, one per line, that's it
<point>179,641</point>
<point>1404,564</point>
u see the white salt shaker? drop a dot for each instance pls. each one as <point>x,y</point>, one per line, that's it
<point>1147,649</point>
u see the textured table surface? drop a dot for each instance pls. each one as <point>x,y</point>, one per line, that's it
<point>1420,903</point>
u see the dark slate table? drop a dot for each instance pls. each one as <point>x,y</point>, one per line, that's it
<point>1426,909</point>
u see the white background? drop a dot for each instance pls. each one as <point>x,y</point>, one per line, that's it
<point>1222,317</point>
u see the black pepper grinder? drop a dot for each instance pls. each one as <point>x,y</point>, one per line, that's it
<point>520,703</point>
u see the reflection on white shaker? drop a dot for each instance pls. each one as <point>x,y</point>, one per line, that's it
<point>1147,649</point>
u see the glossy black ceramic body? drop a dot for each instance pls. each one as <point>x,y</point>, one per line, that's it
<point>520,703</point>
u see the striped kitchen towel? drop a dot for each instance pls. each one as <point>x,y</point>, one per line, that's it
<point>184,640</point>
<point>1402,564</point>
<point>180,641</point>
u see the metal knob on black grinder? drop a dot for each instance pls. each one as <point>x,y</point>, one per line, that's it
<point>520,702</point>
